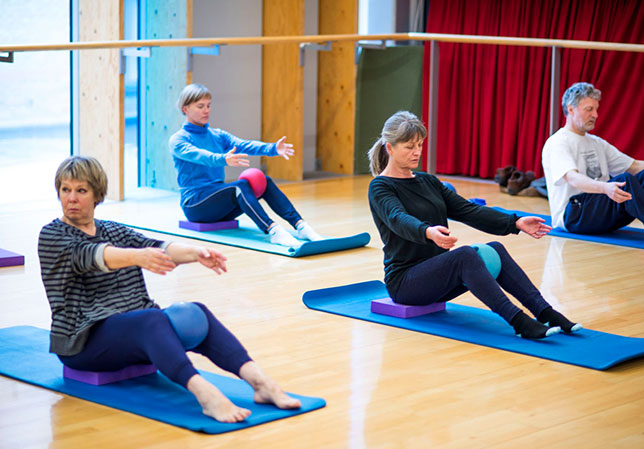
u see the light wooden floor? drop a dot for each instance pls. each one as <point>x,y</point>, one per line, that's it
<point>385,387</point>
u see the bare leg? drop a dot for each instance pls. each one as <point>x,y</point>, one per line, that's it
<point>214,403</point>
<point>267,391</point>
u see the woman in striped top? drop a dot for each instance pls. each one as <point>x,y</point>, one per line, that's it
<point>102,316</point>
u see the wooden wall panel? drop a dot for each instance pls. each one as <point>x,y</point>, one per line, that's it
<point>166,71</point>
<point>189,32</point>
<point>337,88</point>
<point>101,90</point>
<point>283,85</point>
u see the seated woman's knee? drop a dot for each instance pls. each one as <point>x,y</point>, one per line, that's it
<point>498,246</point>
<point>466,253</point>
<point>243,187</point>
<point>155,320</point>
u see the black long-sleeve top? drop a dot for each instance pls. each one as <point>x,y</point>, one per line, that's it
<point>403,208</point>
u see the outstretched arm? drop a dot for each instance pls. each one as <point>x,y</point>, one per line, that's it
<point>533,226</point>
<point>585,184</point>
<point>151,259</point>
<point>208,257</point>
<point>284,149</point>
<point>161,262</point>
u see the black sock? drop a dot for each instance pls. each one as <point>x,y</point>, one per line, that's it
<point>526,327</point>
<point>553,318</point>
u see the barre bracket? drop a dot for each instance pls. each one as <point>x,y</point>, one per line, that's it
<point>7,58</point>
<point>313,46</point>
<point>143,52</point>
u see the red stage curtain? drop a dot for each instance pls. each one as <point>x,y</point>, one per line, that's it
<point>493,102</point>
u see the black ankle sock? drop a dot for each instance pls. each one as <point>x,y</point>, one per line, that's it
<point>526,327</point>
<point>553,318</point>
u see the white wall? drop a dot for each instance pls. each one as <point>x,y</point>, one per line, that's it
<point>235,76</point>
<point>376,16</point>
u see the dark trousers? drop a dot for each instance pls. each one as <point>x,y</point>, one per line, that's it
<point>235,198</point>
<point>445,277</point>
<point>595,213</point>
<point>146,336</point>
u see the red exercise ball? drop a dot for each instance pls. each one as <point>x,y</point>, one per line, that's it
<point>256,179</point>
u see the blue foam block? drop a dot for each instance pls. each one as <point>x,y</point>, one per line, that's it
<point>626,236</point>
<point>587,348</point>
<point>24,355</point>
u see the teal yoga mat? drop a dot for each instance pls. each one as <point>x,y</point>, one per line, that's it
<point>587,348</point>
<point>250,237</point>
<point>627,236</point>
<point>24,356</point>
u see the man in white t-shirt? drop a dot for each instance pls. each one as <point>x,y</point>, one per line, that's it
<point>593,188</point>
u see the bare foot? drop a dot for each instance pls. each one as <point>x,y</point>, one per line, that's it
<point>267,391</point>
<point>214,403</point>
<point>271,393</point>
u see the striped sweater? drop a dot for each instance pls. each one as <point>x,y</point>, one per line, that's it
<point>80,288</point>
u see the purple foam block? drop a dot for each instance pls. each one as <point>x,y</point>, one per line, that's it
<point>108,377</point>
<point>386,306</point>
<point>9,259</point>
<point>204,227</point>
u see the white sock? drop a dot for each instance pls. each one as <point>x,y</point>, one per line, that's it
<point>306,232</point>
<point>281,236</point>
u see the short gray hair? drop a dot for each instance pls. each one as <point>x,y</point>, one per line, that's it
<point>192,93</point>
<point>577,92</point>
<point>403,126</point>
<point>83,168</point>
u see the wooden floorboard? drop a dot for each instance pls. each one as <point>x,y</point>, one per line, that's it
<point>384,387</point>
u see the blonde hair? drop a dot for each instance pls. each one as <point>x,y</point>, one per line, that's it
<point>403,126</point>
<point>83,168</point>
<point>192,93</point>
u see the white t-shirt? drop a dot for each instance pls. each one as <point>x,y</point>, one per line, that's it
<point>589,155</point>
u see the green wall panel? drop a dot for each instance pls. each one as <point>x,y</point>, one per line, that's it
<point>389,80</point>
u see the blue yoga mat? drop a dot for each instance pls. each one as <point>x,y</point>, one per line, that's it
<point>250,237</point>
<point>627,236</point>
<point>24,356</point>
<point>587,348</point>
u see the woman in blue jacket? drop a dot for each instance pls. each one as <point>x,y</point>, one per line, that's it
<point>200,154</point>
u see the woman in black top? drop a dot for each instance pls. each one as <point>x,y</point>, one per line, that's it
<point>411,210</point>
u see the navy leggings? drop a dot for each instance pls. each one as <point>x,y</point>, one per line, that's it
<point>595,213</point>
<point>232,199</point>
<point>442,278</point>
<point>146,336</point>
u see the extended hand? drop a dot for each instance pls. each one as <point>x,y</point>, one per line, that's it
<point>440,236</point>
<point>533,226</point>
<point>212,259</point>
<point>237,160</point>
<point>155,260</point>
<point>284,149</point>
<point>613,191</point>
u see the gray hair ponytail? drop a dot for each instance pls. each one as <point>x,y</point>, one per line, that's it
<point>403,126</point>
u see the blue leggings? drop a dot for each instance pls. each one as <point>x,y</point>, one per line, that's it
<point>441,278</point>
<point>231,200</point>
<point>595,213</point>
<point>146,336</point>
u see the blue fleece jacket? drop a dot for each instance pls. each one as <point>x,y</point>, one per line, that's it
<point>199,154</point>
